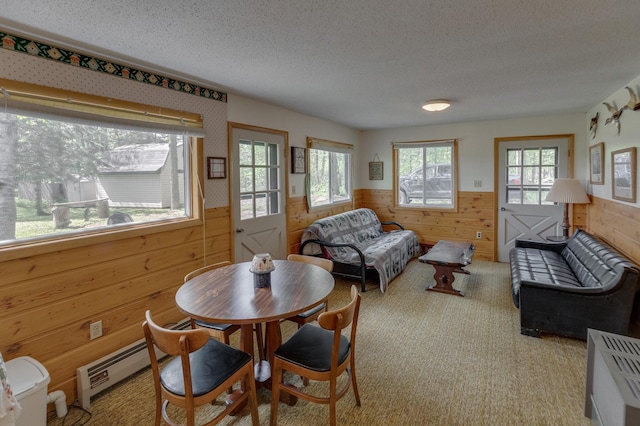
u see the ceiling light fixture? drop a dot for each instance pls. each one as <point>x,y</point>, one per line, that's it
<point>436,105</point>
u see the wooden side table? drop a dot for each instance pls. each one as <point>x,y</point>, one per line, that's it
<point>448,257</point>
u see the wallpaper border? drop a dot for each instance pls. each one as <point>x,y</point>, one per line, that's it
<point>43,50</point>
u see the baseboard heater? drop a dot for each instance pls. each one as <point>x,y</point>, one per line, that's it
<point>97,376</point>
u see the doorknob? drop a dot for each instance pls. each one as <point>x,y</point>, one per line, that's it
<point>502,209</point>
<point>239,230</point>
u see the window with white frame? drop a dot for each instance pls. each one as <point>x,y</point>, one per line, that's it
<point>426,174</point>
<point>80,168</point>
<point>329,172</point>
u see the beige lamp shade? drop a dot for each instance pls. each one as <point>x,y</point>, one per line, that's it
<point>567,191</point>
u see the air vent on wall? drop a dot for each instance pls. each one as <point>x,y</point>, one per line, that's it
<point>612,394</point>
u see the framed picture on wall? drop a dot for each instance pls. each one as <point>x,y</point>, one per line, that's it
<point>376,170</point>
<point>216,167</point>
<point>596,164</point>
<point>623,174</point>
<point>298,160</point>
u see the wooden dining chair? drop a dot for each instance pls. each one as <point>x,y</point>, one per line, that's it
<point>201,370</point>
<point>313,313</point>
<point>319,353</point>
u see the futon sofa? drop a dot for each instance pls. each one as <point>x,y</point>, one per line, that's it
<point>565,288</point>
<point>356,243</point>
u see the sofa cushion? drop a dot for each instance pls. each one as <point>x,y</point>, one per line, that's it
<point>528,264</point>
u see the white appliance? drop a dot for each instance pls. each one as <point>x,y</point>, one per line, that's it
<point>29,380</point>
<point>612,396</point>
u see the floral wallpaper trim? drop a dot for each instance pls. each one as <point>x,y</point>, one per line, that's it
<point>35,48</point>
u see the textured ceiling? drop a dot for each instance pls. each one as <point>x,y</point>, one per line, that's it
<point>364,63</point>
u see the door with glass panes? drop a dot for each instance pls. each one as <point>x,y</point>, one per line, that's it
<point>527,168</point>
<point>259,219</point>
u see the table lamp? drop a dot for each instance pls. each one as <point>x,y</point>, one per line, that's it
<point>567,191</point>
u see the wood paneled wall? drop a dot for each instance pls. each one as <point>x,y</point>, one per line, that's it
<point>475,213</point>
<point>616,223</point>
<point>49,298</point>
<point>298,218</point>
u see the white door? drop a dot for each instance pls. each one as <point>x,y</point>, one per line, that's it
<point>258,197</point>
<point>526,171</point>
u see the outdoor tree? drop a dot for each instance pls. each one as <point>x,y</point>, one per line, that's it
<point>8,142</point>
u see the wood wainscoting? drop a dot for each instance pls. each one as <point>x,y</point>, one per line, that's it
<point>616,223</point>
<point>298,218</point>
<point>475,213</point>
<point>50,297</point>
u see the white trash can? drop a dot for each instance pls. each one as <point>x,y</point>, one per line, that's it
<point>29,380</point>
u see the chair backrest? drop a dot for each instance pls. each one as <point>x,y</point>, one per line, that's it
<point>339,319</point>
<point>173,342</point>
<point>318,261</point>
<point>204,269</point>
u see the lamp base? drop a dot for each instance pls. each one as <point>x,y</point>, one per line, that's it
<point>565,222</point>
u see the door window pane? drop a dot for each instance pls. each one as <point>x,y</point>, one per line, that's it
<point>259,179</point>
<point>534,178</point>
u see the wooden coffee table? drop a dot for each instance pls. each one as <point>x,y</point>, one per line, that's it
<point>448,257</point>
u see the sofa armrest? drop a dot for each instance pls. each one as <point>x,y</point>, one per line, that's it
<point>393,223</point>
<point>351,246</point>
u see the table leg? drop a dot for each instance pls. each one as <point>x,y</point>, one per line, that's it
<point>246,338</point>
<point>444,279</point>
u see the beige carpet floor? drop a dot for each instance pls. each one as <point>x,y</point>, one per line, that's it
<point>423,358</point>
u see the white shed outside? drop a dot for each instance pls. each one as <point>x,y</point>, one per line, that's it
<point>139,176</point>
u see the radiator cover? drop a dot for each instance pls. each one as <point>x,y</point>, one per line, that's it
<point>612,394</point>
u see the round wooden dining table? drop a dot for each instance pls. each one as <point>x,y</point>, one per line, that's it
<point>228,295</point>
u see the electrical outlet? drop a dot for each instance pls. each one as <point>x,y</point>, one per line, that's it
<point>293,190</point>
<point>95,330</point>
<point>478,234</point>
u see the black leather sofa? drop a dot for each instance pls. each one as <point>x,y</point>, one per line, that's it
<point>566,287</point>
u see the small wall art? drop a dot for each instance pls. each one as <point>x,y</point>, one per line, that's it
<point>376,169</point>
<point>216,167</point>
<point>596,164</point>
<point>623,174</point>
<point>298,160</point>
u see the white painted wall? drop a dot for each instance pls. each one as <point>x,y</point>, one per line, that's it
<point>245,110</point>
<point>475,146</point>
<point>629,137</point>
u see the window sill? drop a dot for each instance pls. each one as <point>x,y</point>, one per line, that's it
<point>64,242</point>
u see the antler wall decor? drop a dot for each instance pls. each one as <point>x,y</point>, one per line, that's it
<point>615,115</point>
<point>634,102</point>
<point>594,125</point>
